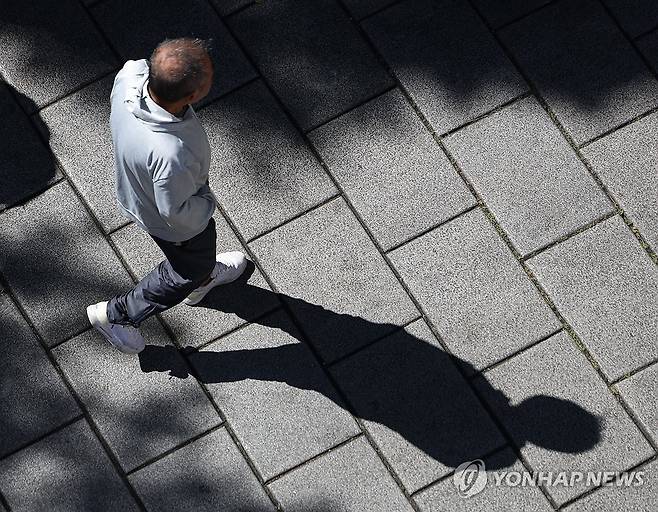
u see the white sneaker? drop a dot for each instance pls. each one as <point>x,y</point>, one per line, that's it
<point>124,337</point>
<point>229,266</point>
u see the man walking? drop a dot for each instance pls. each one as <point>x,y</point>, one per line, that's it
<point>162,159</point>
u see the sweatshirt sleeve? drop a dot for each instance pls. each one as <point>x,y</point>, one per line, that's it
<point>180,203</point>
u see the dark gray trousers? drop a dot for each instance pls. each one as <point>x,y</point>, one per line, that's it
<point>188,264</point>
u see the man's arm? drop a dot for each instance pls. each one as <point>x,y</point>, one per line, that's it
<point>178,203</point>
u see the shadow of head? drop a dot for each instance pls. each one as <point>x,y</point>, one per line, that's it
<point>404,382</point>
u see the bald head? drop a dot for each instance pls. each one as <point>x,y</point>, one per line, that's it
<point>180,69</point>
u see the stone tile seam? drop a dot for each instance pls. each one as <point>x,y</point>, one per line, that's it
<point>313,150</point>
<point>112,458</point>
<point>634,372</point>
<point>644,34</point>
<point>568,328</point>
<point>565,134</point>
<point>526,15</point>
<point>586,493</point>
<point>618,127</point>
<point>636,418</point>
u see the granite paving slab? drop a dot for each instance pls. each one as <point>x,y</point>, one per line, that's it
<point>26,165</point>
<point>274,394</point>
<point>226,7</point>
<point>205,476</point>
<point>640,392</point>
<point>80,137</point>
<point>528,175</point>
<point>625,161</point>
<point>48,51</point>
<point>583,67</point>
<point>444,495</point>
<point>57,263</point>
<point>606,287</point>
<point>66,471</point>
<point>336,283</point>
<point>262,172</point>
<point>348,479</point>
<point>649,47</point>
<point>635,16</point>
<point>222,310</point>
<point>140,412</point>
<point>551,389</point>
<point>639,498</point>
<point>474,291</point>
<point>169,19</point>
<point>314,40</point>
<point>33,398</point>
<point>445,58</point>
<point>499,12</point>
<point>391,169</point>
<point>420,411</point>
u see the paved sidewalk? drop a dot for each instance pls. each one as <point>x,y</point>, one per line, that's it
<point>452,211</point>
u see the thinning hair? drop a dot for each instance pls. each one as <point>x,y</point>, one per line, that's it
<point>177,67</point>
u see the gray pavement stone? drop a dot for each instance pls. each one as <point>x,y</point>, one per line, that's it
<point>473,290</point>
<point>140,412</point>
<point>639,498</point>
<point>635,16</point>
<point>274,394</point>
<point>34,400</point>
<point>391,168</point>
<point>420,411</point>
<point>262,172</point>
<point>561,415</point>
<point>80,138</point>
<point>223,309</point>
<point>640,392</point>
<point>444,496</point>
<point>135,39</point>
<point>622,160</point>
<point>26,165</point>
<point>66,471</point>
<point>649,47</point>
<point>348,479</point>
<point>607,289</point>
<point>583,66</point>
<point>336,283</point>
<point>207,475</point>
<point>57,262</point>
<point>499,12</point>
<point>48,51</point>
<point>528,175</point>
<point>446,58</point>
<point>314,40</point>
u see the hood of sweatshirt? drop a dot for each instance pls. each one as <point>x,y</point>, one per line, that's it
<point>138,101</point>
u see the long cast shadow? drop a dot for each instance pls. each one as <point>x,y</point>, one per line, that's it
<point>403,382</point>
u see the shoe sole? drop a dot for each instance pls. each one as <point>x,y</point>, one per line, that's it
<point>97,324</point>
<point>194,303</point>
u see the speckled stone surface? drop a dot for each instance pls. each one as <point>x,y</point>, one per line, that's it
<point>640,392</point>
<point>381,152</point>
<point>207,475</point>
<point>34,399</point>
<point>316,41</point>
<point>274,394</point>
<point>528,175</point>
<point>533,396</point>
<point>606,287</point>
<point>447,60</point>
<point>583,67</point>
<point>473,290</point>
<point>626,161</point>
<point>354,480</point>
<point>68,470</point>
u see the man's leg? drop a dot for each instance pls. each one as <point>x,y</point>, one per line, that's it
<point>188,266</point>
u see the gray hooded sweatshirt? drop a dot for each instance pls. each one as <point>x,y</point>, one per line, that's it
<point>161,161</point>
